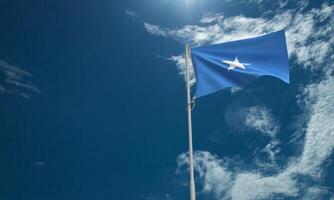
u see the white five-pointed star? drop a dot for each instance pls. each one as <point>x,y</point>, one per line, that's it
<point>235,64</point>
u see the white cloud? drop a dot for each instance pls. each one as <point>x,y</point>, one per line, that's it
<point>130,12</point>
<point>216,178</point>
<point>223,183</point>
<point>272,149</point>
<point>318,141</point>
<point>260,119</point>
<point>180,63</point>
<point>316,193</point>
<point>254,186</point>
<point>133,15</point>
<point>16,81</point>
<point>154,29</point>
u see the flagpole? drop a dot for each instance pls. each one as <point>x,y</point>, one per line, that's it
<point>190,140</point>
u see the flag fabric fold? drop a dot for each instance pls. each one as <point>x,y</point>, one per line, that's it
<point>237,63</point>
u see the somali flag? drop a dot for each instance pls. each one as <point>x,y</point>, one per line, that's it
<point>237,63</point>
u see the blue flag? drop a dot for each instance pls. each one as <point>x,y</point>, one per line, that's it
<point>237,63</point>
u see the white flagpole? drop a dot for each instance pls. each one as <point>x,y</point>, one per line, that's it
<point>190,139</point>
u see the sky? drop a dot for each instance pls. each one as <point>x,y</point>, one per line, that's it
<point>92,99</point>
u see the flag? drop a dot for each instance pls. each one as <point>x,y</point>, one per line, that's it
<point>237,63</point>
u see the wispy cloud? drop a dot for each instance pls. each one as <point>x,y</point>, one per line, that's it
<point>14,80</point>
<point>133,15</point>
<point>314,193</point>
<point>319,133</point>
<point>222,182</point>
<point>257,119</point>
<point>223,179</point>
<point>261,119</point>
<point>214,173</point>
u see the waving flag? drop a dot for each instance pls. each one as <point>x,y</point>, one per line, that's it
<point>237,63</point>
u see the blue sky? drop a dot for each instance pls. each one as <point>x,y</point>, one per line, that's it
<point>93,102</point>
